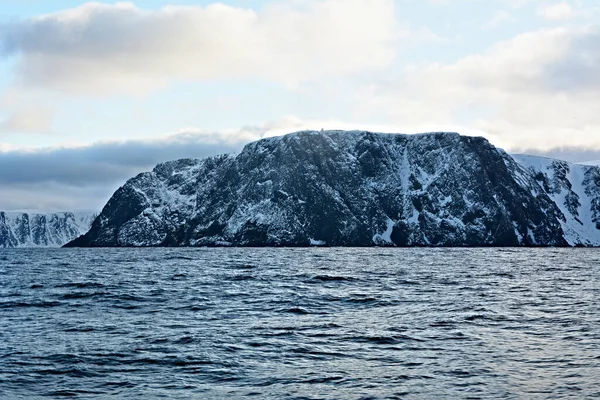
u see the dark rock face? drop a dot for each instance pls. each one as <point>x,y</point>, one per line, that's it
<point>20,229</point>
<point>339,189</point>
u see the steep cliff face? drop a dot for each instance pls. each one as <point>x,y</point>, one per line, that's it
<point>21,229</point>
<point>575,189</point>
<point>336,188</point>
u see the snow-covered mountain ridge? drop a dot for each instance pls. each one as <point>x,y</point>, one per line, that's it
<point>34,229</point>
<point>575,189</point>
<point>355,188</point>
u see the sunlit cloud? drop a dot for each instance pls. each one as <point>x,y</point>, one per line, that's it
<point>101,48</point>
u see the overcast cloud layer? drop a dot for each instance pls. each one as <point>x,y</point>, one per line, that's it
<point>523,73</point>
<point>101,48</point>
<point>85,177</point>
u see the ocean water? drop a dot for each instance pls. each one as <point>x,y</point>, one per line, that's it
<point>300,323</point>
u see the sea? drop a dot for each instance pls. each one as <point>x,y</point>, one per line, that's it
<point>310,323</point>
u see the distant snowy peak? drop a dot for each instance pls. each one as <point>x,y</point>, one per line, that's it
<point>575,189</point>
<point>34,229</point>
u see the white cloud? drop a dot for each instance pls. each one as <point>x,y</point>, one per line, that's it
<point>512,3</point>
<point>102,48</point>
<point>5,148</point>
<point>557,12</point>
<point>539,90</point>
<point>499,18</point>
<point>520,3</point>
<point>31,119</point>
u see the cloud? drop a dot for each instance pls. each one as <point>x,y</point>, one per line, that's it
<point>537,90</point>
<point>106,162</point>
<point>31,119</point>
<point>556,12</point>
<point>568,153</point>
<point>520,3</point>
<point>85,177</point>
<point>100,48</point>
<point>499,18</point>
<point>51,197</point>
<point>516,4</point>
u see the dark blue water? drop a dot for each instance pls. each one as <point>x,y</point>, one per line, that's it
<point>300,323</point>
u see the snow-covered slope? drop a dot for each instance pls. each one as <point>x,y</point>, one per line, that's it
<point>22,229</point>
<point>576,191</point>
<point>336,188</point>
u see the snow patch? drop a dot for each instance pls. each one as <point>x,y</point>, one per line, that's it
<point>386,236</point>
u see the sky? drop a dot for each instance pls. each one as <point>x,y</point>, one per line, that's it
<point>92,93</point>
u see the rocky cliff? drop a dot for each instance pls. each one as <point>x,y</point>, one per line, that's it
<point>22,229</point>
<point>575,189</point>
<point>352,189</point>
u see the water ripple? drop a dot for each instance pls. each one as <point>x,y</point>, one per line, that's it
<point>299,323</point>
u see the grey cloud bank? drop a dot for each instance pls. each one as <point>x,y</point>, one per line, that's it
<point>571,154</point>
<point>84,178</point>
